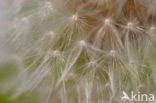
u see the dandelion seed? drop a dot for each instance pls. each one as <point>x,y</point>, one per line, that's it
<point>140,86</point>
<point>152,29</point>
<point>129,25</point>
<point>48,4</point>
<point>112,52</point>
<point>71,74</point>
<point>82,43</point>
<point>107,21</point>
<point>56,53</point>
<point>25,19</point>
<point>51,33</point>
<point>107,84</point>
<point>132,62</point>
<point>74,18</point>
<point>91,63</point>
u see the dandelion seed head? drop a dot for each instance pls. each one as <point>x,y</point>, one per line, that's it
<point>51,62</point>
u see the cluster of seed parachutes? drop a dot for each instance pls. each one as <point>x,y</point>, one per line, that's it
<point>82,51</point>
